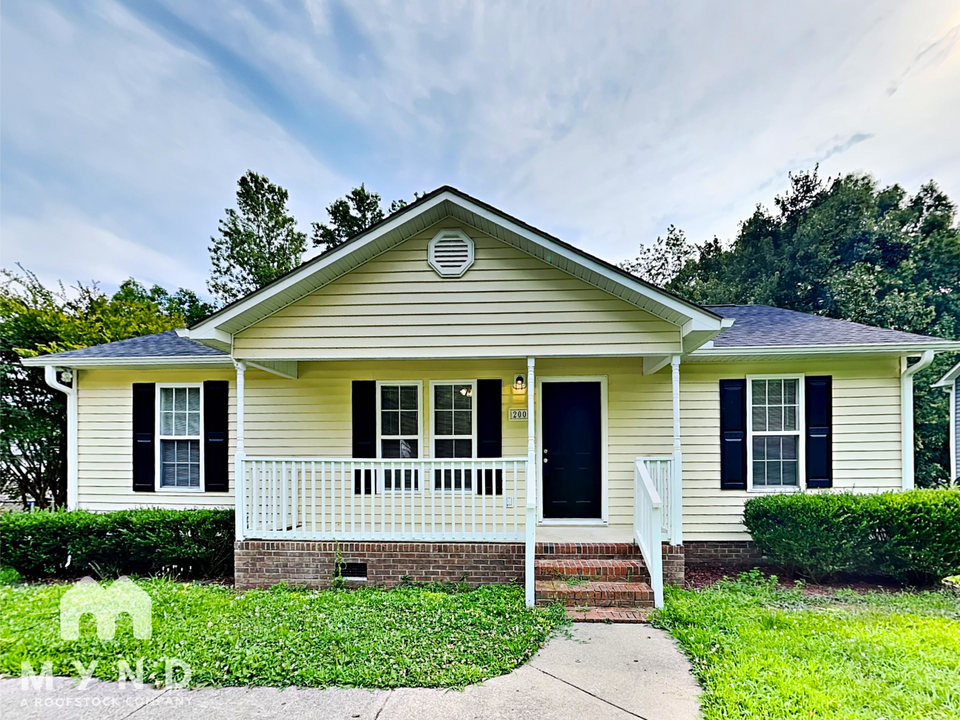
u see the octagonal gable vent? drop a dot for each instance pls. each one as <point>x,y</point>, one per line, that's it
<point>450,253</point>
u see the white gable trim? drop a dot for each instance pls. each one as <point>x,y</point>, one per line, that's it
<point>947,380</point>
<point>342,260</point>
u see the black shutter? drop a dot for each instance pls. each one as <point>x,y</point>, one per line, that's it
<point>364,399</point>
<point>489,418</point>
<point>819,412</point>
<point>216,436</point>
<point>144,454</point>
<point>733,434</point>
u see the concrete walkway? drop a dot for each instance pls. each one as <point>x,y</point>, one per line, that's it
<point>599,671</point>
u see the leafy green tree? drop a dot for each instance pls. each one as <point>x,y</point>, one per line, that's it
<point>35,320</point>
<point>844,248</point>
<point>257,243</point>
<point>183,302</point>
<point>359,210</point>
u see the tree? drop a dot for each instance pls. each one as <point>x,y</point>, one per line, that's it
<point>350,215</point>
<point>843,248</point>
<point>257,243</point>
<point>36,320</point>
<point>183,302</point>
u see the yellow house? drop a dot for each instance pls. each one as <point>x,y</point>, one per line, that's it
<point>454,392</point>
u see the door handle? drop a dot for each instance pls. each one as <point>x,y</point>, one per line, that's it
<point>544,461</point>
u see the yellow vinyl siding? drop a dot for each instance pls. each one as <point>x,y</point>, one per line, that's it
<point>866,436</point>
<point>105,440</point>
<point>507,304</point>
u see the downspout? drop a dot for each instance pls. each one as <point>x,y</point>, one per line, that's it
<point>50,375</point>
<point>907,372</point>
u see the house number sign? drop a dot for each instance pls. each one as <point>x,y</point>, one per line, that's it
<point>518,413</point>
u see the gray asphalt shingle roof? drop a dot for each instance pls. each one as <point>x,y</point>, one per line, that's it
<point>766,326</point>
<point>160,345</point>
<point>755,326</point>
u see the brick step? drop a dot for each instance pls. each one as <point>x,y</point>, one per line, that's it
<point>593,551</point>
<point>608,615</point>
<point>594,594</point>
<point>602,569</point>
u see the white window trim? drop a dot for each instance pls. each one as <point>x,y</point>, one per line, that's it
<point>434,437</point>
<point>418,384</point>
<point>157,467</point>
<point>801,431</point>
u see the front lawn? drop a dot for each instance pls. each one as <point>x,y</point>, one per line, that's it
<point>761,651</point>
<point>364,638</point>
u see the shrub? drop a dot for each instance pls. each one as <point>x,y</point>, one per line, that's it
<point>185,543</point>
<point>913,536</point>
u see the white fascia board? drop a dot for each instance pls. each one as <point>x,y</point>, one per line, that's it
<point>206,328</point>
<point>947,380</point>
<point>181,360</point>
<point>701,319</point>
<point>875,348</point>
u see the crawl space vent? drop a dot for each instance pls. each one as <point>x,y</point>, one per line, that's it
<point>450,253</point>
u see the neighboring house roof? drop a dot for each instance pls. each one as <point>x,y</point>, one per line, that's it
<point>698,324</point>
<point>766,326</point>
<point>948,379</point>
<point>163,348</point>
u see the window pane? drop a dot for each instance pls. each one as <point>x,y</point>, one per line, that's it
<point>759,418</point>
<point>790,391</point>
<point>389,397</point>
<point>775,418</point>
<point>443,397</point>
<point>409,448</point>
<point>408,423</point>
<point>463,422</point>
<point>790,472</point>
<point>758,449</point>
<point>462,397</point>
<point>389,422</point>
<point>774,392</point>
<point>408,397</point>
<point>166,423</point>
<point>444,422</point>
<point>759,392</point>
<point>790,447</point>
<point>168,451</point>
<point>180,399</point>
<point>193,424</point>
<point>463,448</point>
<point>773,473</point>
<point>790,418</point>
<point>166,399</point>
<point>193,399</point>
<point>759,475</point>
<point>444,448</point>
<point>773,448</point>
<point>390,448</point>
<point>180,463</point>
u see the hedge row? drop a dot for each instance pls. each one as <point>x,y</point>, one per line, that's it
<point>184,543</point>
<point>913,537</point>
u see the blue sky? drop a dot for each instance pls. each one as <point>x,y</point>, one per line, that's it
<point>124,125</point>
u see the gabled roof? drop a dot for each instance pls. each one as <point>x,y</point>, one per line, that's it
<point>766,326</point>
<point>948,379</point>
<point>696,322</point>
<point>165,348</point>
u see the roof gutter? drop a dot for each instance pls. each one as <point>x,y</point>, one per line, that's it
<point>907,371</point>
<point>50,375</point>
<point>885,348</point>
<point>59,361</point>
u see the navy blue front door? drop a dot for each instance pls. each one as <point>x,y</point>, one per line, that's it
<point>570,456</point>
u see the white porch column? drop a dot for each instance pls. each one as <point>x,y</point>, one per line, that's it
<point>530,526</point>
<point>676,483</point>
<point>239,471</point>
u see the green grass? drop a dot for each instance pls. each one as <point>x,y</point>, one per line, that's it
<point>760,651</point>
<point>407,637</point>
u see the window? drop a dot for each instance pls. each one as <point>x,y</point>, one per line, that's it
<point>399,411</point>
<point>454,428</point>
<point>179,446</point>
<point>774,431</point>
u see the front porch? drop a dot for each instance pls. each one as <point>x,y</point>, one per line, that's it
<point>444,517</point>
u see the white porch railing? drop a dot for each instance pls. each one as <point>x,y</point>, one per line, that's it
<point>351,499</point>
<point>647,526</point>
<point>661,473</point>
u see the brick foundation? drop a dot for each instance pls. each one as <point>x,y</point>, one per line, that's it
<point>262,563</point>
<point>674,564</point>
<point>727,553</point>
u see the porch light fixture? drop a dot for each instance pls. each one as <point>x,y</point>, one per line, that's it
<point>519,384</point>
<point>466,391</point>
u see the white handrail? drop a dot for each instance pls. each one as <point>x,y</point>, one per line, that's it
<point>647,524</point>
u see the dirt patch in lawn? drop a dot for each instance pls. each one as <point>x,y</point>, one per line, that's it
<point>701,577</point>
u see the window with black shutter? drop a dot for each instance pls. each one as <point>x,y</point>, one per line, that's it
<point>819,421</point>
<point>733,434</point>
<point>144,453</point>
